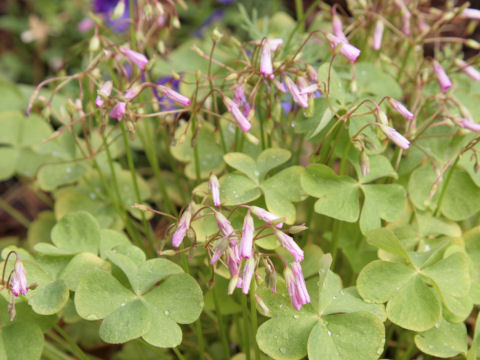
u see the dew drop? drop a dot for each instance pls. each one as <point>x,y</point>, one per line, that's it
<point>295,316</point>
<point>68,170</point>
<point>123,304</point>
<point>329,333</point>
<point>437,325</point>
<point>342,292</point>
<point>166,312</point>
<point>334,298</point>
<point>427,247</point>
<point>281,306</point>
<point>282,350</point>
<point>256,173</point>
<point>92,195</point>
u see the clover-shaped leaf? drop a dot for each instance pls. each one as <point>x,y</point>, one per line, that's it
<point>338,197</point>
<point>324,329</point>
<point>280,190</point>
<point>150,311</point>
<point>444,340</point>
<point>416,286</point>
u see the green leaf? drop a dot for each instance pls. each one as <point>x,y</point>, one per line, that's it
<point>380,280</point>
<point>21,340</point>
<point>77,232</point>
<point>285,338</point>
<point>163,332</point>
<point>153,271</point>
<point>270,159</point>
<point>126,323</point>
<point>236,189</point>
<point>354,336</point>
<point>8,161</point>
<point>52,176</point>
<point>10,123</point>
<point>382,201</point>
<point>444,340</point>
<point>420,185</point>
<point>415,306</point>
<point>451,275</point>
<point>337,91</point>
<point>456,309</point>
<point>179,297</point>
<point>98,294</point>
<point>379,167</point>
<point>110,239</point>
<point>386,240</point>
<point>321,118</point>
<point>283,189</point>
<point>243,163</point>
<point>338,195</point>
<point>384,84</point>
<point>49,299</point>
<point>462,197</point>
<point>81,265</point>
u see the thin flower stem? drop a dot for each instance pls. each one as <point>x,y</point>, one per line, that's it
<point>133,39</point>
<point>246,327</point>
<point>14,213</point>
<point>300,17</point>
<point>445,186</point>
<point>221,325</point>
<point>253,315</point>
<point>74,348</point>
<point>131,166</point>
<point>178,353</point>
<point>50,351</point>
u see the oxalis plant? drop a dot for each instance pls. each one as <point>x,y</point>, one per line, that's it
<point>284,186</point>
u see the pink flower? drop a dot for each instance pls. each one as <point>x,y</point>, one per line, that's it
<point>18,280</point>
<point>85,25</point>
<point>219,248</point>
<point>297,97</point>
<point>233,258</point>
<point>247,236</point>
<point>274,43</point>
<point>248,272</point>
<point>103,92</point>
<point>296,286</point>
<point>470,125</point>
<point>175,96</point>
<point>347,49</point>
<point>266,67</point>
<point>132,92</point>
<point>214,186</point>
<point>223,224</point>
<point>406,15</point>
<point>398,106</point>
<point>442,77</point>
<point>138,59</point>
<point>118,110</point>
<point>396,137</point>
<point>469,70</point>
<point>241,100</point>
<point>378,35</point>
<point>233,109</point>
<point>183,225</point>
<point>473,14</point>
<point>266,216</point>
<point>289,244</point>
<point>337,26</point>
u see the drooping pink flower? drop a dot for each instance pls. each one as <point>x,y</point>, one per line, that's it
<point>18,280</point>
<point>233,109</point>
<point>398,106</point>
<point>132,92</point>
<point>406,15</point>
<point>223,224</point>
<point>302,292</point>
<point>347,49</point>
<point>173,95</point>
<point>233,259</point>
<point>118,110</point>
<point>266,67</point>
<point>469,70</point>
<point>442,77</point>
<point>265,215</point>
<point>470,125</point>
<point>274,43</point>
<point>138,59</point>
<point>469,13</point>
<point>214,186</point>
<point>182,227</point>
<point>297,97</point>
<point>395,136</point>
<point>296,287</point>
<point>378,35</point>
<point>219,248</point>
<point>337,26</point>
<point>103,92</point>
<point>289,244</point>
<point>247,236</point>
<point>85,25</point>
<point>240,99</point>
<point>248,272</point>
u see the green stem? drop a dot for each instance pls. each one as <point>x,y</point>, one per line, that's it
<point>253,315</point>
<point>445,186</point>
<point>135,184</point>
<point>404,62</point>
<point>133,39</point>
<point>246,327</point>
<point>221,325</point>
<point>14,213</point>
<point>178,353</point>
<point>74,348</point>
<point>51,352</point>
<point>299,11</point>
<point>335,238</point>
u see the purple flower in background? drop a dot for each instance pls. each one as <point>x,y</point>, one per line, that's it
<point>106,7</point>
<point>165,102</point>
<point>216,16</point>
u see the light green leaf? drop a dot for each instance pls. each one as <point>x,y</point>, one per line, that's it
<point>444,340</point>
<point>380,167</point>
<point>77,232</point>
<point>111,238</point>
<point>384,84</point>
<point>49,299</point>
<point>179,297</point>
<point>338,195</point>
<point>415,306</point>
<point>126,323</point>
<point>98,294</point>
<point>243,163</point>
<point>386,240</point>
<point>354,336</point>
<point>420,186</point>
<point>21,340</point>
<point>456,309</point>
<point>285,338</point>
<point>153,271</point>
<point>462,197</point>
<point>81,265</point>
<point>270,159</point>
<point>163,332</point>
<point>382,201</point>
<point>8,162</point>
<point>52,176</point>
<point>236,189</point>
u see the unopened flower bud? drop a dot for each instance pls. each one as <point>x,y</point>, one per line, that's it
<point>118,10</point>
